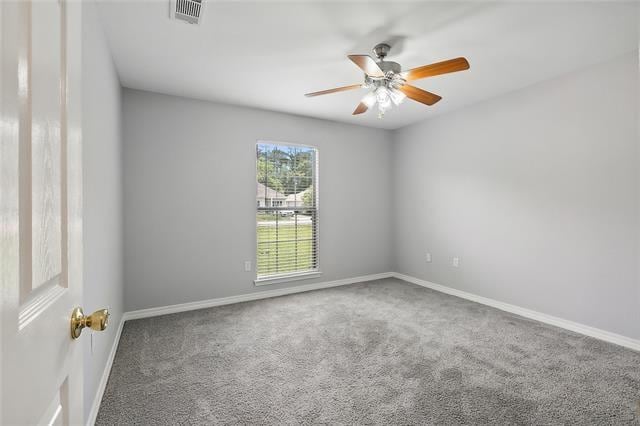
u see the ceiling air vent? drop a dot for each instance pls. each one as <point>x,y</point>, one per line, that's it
<point>189,11</point>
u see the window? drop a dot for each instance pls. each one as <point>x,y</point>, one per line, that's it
<point>287,210</point>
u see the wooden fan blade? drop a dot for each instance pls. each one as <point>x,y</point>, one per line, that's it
<point>368,100</point>
<point>445,67</point>
<point>337,89</point>
<point>367,64</point>
<point>360,109</point>
<point>419,95</point>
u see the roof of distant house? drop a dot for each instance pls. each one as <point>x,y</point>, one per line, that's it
<point>298,196</point>
<point>263,191</point>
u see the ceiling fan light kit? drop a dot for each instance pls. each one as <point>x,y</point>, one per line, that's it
<point>387,83</point>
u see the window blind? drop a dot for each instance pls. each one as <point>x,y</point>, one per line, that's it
<point>287,209</point>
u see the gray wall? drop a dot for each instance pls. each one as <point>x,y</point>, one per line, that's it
<point>536,191</point>
<point>189,175</point>
<point>102,153</point>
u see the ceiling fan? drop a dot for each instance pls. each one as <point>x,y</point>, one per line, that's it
<point>388,83</point>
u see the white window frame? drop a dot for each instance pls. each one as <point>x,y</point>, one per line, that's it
<point>292,276</point>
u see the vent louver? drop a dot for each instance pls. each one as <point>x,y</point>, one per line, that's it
<point>189,11</point>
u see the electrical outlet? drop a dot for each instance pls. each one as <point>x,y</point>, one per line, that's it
<point>247,266</point>
<point>456,262</point>
<point>428,257</point>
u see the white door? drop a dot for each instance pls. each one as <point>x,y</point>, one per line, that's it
<point>41,211</point>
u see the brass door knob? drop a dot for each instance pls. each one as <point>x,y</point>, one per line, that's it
<point>97,321</point>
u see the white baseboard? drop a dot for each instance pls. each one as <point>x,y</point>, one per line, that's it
<point>95,406</point>
<point>528,313</point>
<point>191,306</point>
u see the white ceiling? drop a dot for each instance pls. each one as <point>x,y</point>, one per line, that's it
<point>268,54</point>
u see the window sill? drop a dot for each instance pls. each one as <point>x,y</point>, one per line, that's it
<point>287,278</point>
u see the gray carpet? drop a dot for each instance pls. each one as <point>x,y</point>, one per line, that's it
<point>382,352</point>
